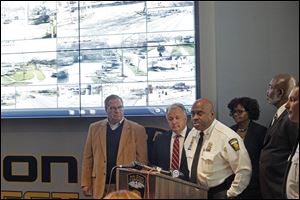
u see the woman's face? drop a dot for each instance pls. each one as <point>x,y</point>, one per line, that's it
<point>240,114</point>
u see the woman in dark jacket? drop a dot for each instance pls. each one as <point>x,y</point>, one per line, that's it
<point>244,111</point>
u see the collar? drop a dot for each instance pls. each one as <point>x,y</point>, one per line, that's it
<point>182,133</point>
<point>280,110</point>
<point>209,130</point>
<point>115,126</point>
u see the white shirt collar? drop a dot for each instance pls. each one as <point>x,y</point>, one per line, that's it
<point>210,128</point>
<point>182,133</point>
<point>115,126</point>
<point>280,110</point>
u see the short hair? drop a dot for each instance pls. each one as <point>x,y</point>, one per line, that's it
<point>176,105</point>
<point>122,194</point>
<point>285,82</point>
<point>111,97</point>
<point>250,105</point>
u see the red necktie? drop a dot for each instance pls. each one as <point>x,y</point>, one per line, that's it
<point>175,153</point>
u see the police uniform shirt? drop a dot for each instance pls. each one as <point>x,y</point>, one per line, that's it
<point>223,153</point>
<point>292,185</point>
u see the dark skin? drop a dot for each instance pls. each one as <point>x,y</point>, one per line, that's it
<point>279,88</point>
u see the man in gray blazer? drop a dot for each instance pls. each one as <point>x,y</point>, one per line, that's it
<point>280,138</point>
<point>111,142</point>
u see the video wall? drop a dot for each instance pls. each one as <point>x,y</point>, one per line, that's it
<point>63,58</point>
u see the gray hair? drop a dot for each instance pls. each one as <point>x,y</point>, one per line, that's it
<point>111,97</point>
<point>176,105</point>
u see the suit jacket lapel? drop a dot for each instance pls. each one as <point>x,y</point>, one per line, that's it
<point>102,137</point>
<point>168,149</point>
<point>273,127</point>
<point>125,135</point>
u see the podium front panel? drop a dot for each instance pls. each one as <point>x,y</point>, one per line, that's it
<point>160,186</point>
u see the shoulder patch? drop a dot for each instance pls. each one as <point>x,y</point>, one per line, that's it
<point>234,144</point>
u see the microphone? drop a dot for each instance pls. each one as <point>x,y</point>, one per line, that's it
<point>139,166</point>
<point>131,165</point>
<point>176,173</point>
<point>158,169</point>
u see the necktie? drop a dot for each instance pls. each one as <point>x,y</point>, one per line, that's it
<point>175,153</point>
<point>196,159</point>
<point>274,119</point>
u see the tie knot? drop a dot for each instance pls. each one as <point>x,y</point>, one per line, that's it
<point>201,134</point>
<point>177,136</point>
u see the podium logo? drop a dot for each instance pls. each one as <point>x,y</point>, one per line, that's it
<point>136,183</point>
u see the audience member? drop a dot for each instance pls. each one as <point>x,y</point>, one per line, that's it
<point>122,194</point>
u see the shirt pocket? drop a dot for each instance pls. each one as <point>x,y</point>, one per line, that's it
<point>207,160</point>
<point>189,157</point>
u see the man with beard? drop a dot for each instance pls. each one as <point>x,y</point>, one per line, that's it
<point>280,139</point>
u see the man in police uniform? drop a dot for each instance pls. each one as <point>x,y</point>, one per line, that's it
<point>224,166</point>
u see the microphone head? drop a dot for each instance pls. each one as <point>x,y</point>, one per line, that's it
<point>175,173</point>
<point>131,165</point>
<point>137,165</point>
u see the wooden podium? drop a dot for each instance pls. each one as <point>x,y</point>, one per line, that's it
<point>160,186</point>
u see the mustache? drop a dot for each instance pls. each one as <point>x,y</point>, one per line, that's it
<point>196,123</point>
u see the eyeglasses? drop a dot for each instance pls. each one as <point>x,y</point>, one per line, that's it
<point>237,111</point>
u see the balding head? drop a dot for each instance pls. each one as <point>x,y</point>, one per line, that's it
<point>279,89</point>
<point>206,104</point>
<point>203,114</point>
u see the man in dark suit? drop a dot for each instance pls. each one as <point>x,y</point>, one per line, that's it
<point>168,153</point>
<point>280,139</point>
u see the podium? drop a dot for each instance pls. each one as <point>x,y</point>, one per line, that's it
<point>155,185</point>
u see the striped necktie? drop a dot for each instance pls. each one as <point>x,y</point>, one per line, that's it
<point>175,153</point>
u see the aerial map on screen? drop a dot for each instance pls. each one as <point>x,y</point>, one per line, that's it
<point>63,58</point>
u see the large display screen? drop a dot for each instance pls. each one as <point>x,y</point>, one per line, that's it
<point>63,58</point>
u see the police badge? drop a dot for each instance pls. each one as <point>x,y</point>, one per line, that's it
<point>136,183</point>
